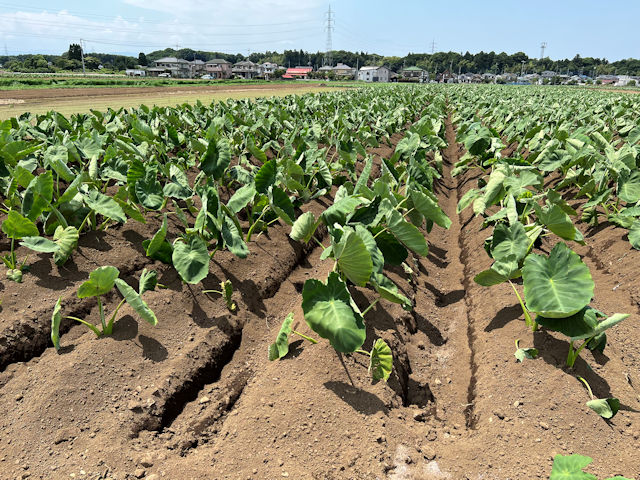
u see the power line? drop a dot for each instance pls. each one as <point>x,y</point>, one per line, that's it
<point>328,55</point>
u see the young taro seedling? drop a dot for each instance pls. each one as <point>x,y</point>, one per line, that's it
<point>605,407</point>
<point>570,467</point>
<point>100,282</point>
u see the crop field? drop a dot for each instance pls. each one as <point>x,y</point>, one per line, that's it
<point>403,282</point>
<point>67,101</point>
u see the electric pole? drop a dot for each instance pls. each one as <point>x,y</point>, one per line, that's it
<point>328,54</point>
<point>82,56</point>
<point>543,46</point>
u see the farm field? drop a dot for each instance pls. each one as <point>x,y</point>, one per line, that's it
<point>403,282</point>
<point>67,101</point>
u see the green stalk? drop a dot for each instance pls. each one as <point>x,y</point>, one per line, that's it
<point>363,352</point>
<point>527,316</point>
<point>373,304</point>
<point>253,225</point>
<point>93,328</point>
<point>574,354</point>
<point>109,328</point>
<point>586,385</point>
<point>104,325</point>
<point>13,255</point>
<point>304,336</point>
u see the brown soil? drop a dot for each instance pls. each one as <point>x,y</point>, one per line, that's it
<point>46,94</point>
<point>196,398</point>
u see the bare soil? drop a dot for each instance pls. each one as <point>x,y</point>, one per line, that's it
<point>196,398</point>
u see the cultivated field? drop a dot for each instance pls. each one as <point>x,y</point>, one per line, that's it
<point>403,282</point>
<point>82,100</point>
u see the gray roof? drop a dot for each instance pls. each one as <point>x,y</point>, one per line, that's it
<point>216,61</point>
<point>371,68</point>
<point>171,60</point>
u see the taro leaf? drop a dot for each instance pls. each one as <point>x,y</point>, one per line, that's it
<point>55,324</point>
<point>149,191</point>
<point>67,240</point>
<point>363,179</point>
<point>467,199</point>
<point>255,151</point>
<point>281,204</point>
<point>508,241</point>
<point>381,361</point>
<point>191,259</point>
<point>280,347</point>
<point>629,186</point>
<point>217,158</point>
<point>634,235</point>
<point>353,258</point>
<point>583,324</point>
<point>15,275</point>
<point>570,468</point>
<point>337,213</point>
<point>38,195</point>
<point>407,233</point>
<point>393,251</point>
<point>233,238</point>
<point>377,259</point>
<point>328,310</point>
<point>265,177</point>
<point>429,208</point>
<point>158,238</point>
<point>559,223</point>
<point>100,281</point>
<point>556,286</point>
<point>389,291</point>
<point>241,198</point>
<point>148,281</point>
<point>598,343</point>
<point>136,302</point>
<point>164,253</point>
<point>605,407</point>
<point>523,353</point>
<point>105,206</point>
<point>39,244</point>
<point>303,228</point>
<point>502,270</point>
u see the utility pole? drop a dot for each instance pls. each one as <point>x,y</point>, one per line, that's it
<point>543,46</point>
<point>82,56</point>
<point>328,54</point>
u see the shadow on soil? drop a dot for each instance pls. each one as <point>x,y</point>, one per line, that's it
<point>504,316</point>
<point>360,400</point>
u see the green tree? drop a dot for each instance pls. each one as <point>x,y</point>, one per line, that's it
<point>75,52</point>
<point>142,59</point>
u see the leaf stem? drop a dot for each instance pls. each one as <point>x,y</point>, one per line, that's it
<point>527,316</point>
<point>304,336</point>
<point>363,352</point>
<point>586,385</point>
<point>93,328</point>
<point>370,306</point>
<point>104,325</point>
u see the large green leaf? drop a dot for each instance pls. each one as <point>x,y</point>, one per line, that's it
<point>570,468</point>
<point>353,258</point>
<point>16,226</point>
<point>407,233</point>
<point>509,240</point>
<point>266,177</point>
<point>136,302</point>
<point>149,191</point>
<point>281,204</point>
<point>280,347</point>
<point>605,407</point>
<point>105,206</point>
<point>303,228</point>
<point>217,158</point>
<point>380,361</point>
<point>101,281</point>
<point>583,324</point>
<point>429,208</point>
<point>556,286</point>
<point>233,238</point>
<point>629,186</point>
<point>556,220</point>
<point>241,198</point>
<point>158,238</point>
<point>502,270</point>
<point>191,259</point>
<point>338,211</point>
<point>66,238</point>
<point>329,311</point>
<point>148,281</point>
<point>634,235</point>
<point>38,195</point>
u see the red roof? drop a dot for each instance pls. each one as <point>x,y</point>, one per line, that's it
<point>299,70</point>
<point>287,76</point>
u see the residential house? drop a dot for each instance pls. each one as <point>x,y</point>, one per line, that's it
<point>268,69</point>
<point>197,68</point>
<point>607,79</point>
<point>344,71</point>
<point>218,68</point>
<point>135,72</point>
<point>246,69</point>
<point>414,73</point>
<point>298,72</point>
<point>176,67</point>
<point>374,74</point>
<point>623,80</point>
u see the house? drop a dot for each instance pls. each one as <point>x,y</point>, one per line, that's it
<point>374,74</point>
<point>268,69</point>
<point>197,68</point>
<point>548,74</point>
<point>218,68</point>
<point>607,79</point>
<point>246,69</point>
<point>135,72</point>
<point>344,71</point>
<point>298,72</point>
<point>414,73</point>
<point>176,67</point>
<point>326,69</point>
<point>623,80</point>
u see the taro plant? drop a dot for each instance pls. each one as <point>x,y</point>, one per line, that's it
<point>226,292</point>
<point>522,353</point>
<point>16,227</point>
<point>100,282</point>
<point>605,407</point>
<point>570,467</point>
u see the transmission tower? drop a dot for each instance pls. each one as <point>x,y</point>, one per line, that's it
<point>328,54</point>
<point>543,45</point>
<point>433,46</point>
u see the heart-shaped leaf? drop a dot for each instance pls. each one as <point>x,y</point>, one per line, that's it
<point>381,361</point>
<point>557,286</point>
<point>101,281</point>
<point>605,407</point>
<point>191,259</point>
<point>353,258</point>
<point>136,302</point>
<point>16,226</point>
<point>570,468</point>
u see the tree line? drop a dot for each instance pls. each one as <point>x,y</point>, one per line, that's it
<point>439,62</point>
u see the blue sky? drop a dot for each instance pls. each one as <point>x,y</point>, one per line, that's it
<point>589,28</point>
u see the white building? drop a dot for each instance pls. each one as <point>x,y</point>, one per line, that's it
<point>374,74</point>
<point>268,69</point>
